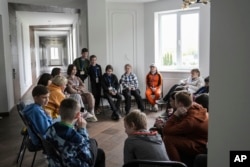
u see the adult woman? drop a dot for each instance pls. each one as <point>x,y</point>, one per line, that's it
<point>110,87</point>
<point>153,83</point>
<point>76,86</point>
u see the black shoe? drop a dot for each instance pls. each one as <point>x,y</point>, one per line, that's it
<point>114,117</point>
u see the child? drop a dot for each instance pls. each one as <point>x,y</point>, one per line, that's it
<point>35,113</point>
<point>73,142</point>
<point>110,87</point>
<point>95,74</point>
<point>142,144</point>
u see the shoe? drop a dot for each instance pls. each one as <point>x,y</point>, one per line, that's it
<point>86,115</point>
<point>156,108</point>
<point>150,108</point>
<point>92,119</point>
<point>114,117</point>
<point>161,101</point>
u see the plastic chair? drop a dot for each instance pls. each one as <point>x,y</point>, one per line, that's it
<point>153,163</point>
<point>26,143</point>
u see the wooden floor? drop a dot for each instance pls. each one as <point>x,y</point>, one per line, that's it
<point>109,134</point>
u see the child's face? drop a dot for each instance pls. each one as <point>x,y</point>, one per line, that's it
<point>42,99</point>
<point>109,71</point>
<point>128,69</point>
<point>128,129</point>
<point>73,72</point>
<point>93,61</point>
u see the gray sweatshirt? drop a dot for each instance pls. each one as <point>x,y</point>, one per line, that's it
<point>144,145</point>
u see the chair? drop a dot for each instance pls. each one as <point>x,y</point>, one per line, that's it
<point>153,163</point>
<point>51,151</point>
<point>26,143</point>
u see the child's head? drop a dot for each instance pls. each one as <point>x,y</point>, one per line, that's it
<point>195,72</point>
<point>40,95</point>
<point>45,79</point>
<point>128,68</point>
<point>93,59</point>
<point>109,69</point>
<point>85,53</point>
<point>71,69</point>
<point>56,71</point>
<point>183,99</point>
<point>69,109</point>
<point>206,81</point>
<point>134,121</point>
<point>202,100</point>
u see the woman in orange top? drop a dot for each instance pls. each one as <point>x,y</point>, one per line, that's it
<point>153,83</point>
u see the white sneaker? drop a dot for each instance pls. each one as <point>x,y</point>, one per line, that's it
<point>156,107</point>
<point>92,119</point>
<point>86,115</point>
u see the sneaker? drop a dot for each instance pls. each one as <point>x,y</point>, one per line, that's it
<point>156,107</point>
<point>98,111</point>
<point>86,115</point>
<point>92,119</point>
<point>161,101</point>
<point>150,108</point>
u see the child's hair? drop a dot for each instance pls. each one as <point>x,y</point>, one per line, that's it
<point>127,65</point>
<point>109,67</point>
<point>68,109</point>
<point>203,99</point>
<point>206,79</point>
<point>55,71</point>
<point>92,56</point>
<point>39,90</point>
<point>184,97</point>
<point>59,80</point>
<point>70,68</point>
<point>84,50</point>
<point>44,78</point>
<point>138,118</point>
<point>196,70</point>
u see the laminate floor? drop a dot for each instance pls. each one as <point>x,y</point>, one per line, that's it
<point>109,134</point>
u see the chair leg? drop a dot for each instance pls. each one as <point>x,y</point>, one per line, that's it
<point>34,157</point>
<point>21,156</point>
<point>21,148</point>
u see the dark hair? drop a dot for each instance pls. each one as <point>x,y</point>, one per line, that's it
<point>202,99</point>
<point>70,68</point>
<point>206,79</point>
<point>184,97</point>
<point>85,50</point>
<point>39,90</point>
<point>68,108</point>
<point>55,71</point>
<point>44,78</point>
<point>92,56</point>
<point>109,67</point>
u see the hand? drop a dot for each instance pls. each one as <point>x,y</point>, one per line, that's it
<point>181,111</point>
<point>153,89</point>
<point>81,122</point>
<point>159,122</point>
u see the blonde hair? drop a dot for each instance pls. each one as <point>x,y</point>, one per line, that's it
<point>59,80</point>
<point>138,118</point>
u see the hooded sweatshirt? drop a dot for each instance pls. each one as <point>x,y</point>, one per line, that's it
<point>144,145</point>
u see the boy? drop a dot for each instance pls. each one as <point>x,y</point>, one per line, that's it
<point>142,144</point>
<point>95,74</point>
<point>185,132</point>
<point>76,149</point>
<point>35,113</point>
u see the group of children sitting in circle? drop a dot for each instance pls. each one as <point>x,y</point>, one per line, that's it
<point>62,121</point>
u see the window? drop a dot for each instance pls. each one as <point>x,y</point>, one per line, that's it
<point>177,39</point>
<point>54,53</point>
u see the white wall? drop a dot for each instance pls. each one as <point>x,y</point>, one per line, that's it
<point>125,22</point>
<point>6,87</point>
<point>171,78</point>
<point>229,83</point>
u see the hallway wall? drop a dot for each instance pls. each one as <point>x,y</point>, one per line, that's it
<point>6,84</point>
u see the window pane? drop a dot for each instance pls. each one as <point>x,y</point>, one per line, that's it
<point>54,53</point>
<point>189,40</point>
<point>168,39</point>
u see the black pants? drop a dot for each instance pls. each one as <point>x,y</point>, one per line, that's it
<point>136,93</point>
<point>115,106</point>
<point>172,89</point>
<point>98,154</point>
<point>96,91</point>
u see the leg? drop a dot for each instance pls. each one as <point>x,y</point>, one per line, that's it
<point>127,96</point>
<point>149,97</point>
<point>136,94</point>
<point>167,96</point>
<point>89,99</point>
